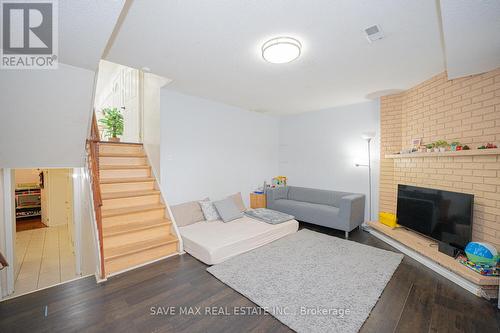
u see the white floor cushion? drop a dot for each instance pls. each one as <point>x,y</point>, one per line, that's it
<point>215,241</point>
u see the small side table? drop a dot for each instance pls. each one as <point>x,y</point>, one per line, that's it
<point>257,200</point>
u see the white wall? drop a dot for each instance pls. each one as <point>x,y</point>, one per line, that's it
<point>151,138</point>
<point>24,176</point>
<point>84,220</point>
<point>108,73</point>
<point>7,230</point>
<point>319,149</point>
<point>212,149</point>
<point>44,116</point>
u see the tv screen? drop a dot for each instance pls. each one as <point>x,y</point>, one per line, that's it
<point>442,215</point>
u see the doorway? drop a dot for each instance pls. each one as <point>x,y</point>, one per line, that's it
<point>118,87</point>
<point>28,199</point>
<point>44,243</point>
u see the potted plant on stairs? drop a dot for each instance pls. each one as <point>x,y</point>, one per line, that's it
<point>113,123</point>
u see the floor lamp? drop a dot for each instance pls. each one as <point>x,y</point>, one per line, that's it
<point>368,137</point>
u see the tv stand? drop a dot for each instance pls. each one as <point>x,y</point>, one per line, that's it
<point>419,248</point>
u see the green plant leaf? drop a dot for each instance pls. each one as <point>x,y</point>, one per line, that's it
<point>112,121</point>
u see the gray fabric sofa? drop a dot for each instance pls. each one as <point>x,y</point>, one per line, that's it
<point>333,209</point>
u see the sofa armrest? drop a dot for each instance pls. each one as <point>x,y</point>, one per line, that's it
<point>352,210</point>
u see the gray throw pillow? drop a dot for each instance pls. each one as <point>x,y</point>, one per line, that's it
<point>227,209</point>
<point>209,210</point>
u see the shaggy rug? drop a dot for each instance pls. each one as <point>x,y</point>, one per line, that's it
<point>312,282</point>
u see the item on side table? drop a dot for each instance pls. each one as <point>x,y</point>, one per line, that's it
<point>482,253</point>
<point>388,219</point>
<point>279,181</point>
<point>482,269</point>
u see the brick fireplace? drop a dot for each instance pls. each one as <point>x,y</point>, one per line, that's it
<point>465,109</point>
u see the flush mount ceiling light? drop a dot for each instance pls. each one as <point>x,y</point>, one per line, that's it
<point>281,50</point>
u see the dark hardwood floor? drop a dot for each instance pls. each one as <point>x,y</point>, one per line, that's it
<point>415,300</point>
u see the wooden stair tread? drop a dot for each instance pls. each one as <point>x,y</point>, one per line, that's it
<point>130,210</point>
<point>124,228</point>
<point>131,248</point>
<point>122,155</point>
<point>128,194</point>
<point>122,167</point>
<point>119,143</point>
<point>125,180</point>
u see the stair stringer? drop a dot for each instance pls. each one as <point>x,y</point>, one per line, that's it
<point>170,216</point>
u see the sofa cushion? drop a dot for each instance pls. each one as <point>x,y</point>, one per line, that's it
<point>280,193</point>
<point>238,200</point>
<point>227,209</point>
<point>309,212</point>
<point>316,196</point>
<point>209,210</point>
<point>187,213</point>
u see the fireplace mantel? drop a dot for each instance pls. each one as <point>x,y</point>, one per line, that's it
<point>472,152</point>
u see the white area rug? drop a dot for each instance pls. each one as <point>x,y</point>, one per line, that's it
<point>312,282</point>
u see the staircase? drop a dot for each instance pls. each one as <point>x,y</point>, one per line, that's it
<point>135,224</point>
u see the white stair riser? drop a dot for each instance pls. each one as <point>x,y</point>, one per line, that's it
<point>122,263</point>
<point>125,229</point>
<point>136,236</point>
<point>130,201</point>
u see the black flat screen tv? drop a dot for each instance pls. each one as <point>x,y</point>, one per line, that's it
<point>442,215</point>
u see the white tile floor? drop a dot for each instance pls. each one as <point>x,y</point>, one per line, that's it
<point>44,258</point>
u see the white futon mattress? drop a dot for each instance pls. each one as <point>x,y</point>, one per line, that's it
<point>214,242</point>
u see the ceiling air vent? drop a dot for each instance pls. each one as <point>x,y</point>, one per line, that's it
<point>374,33</point>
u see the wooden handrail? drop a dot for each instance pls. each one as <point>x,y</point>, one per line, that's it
<point>93,154</point>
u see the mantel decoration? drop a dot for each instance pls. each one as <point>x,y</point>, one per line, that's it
<point>113,123</point>
<point>440,146</point>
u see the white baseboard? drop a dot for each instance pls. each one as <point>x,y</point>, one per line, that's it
<point>466,284</point>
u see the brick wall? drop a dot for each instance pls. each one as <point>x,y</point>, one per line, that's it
<point>465,109</point>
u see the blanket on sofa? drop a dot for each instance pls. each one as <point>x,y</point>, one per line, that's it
<point>268,215</point>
